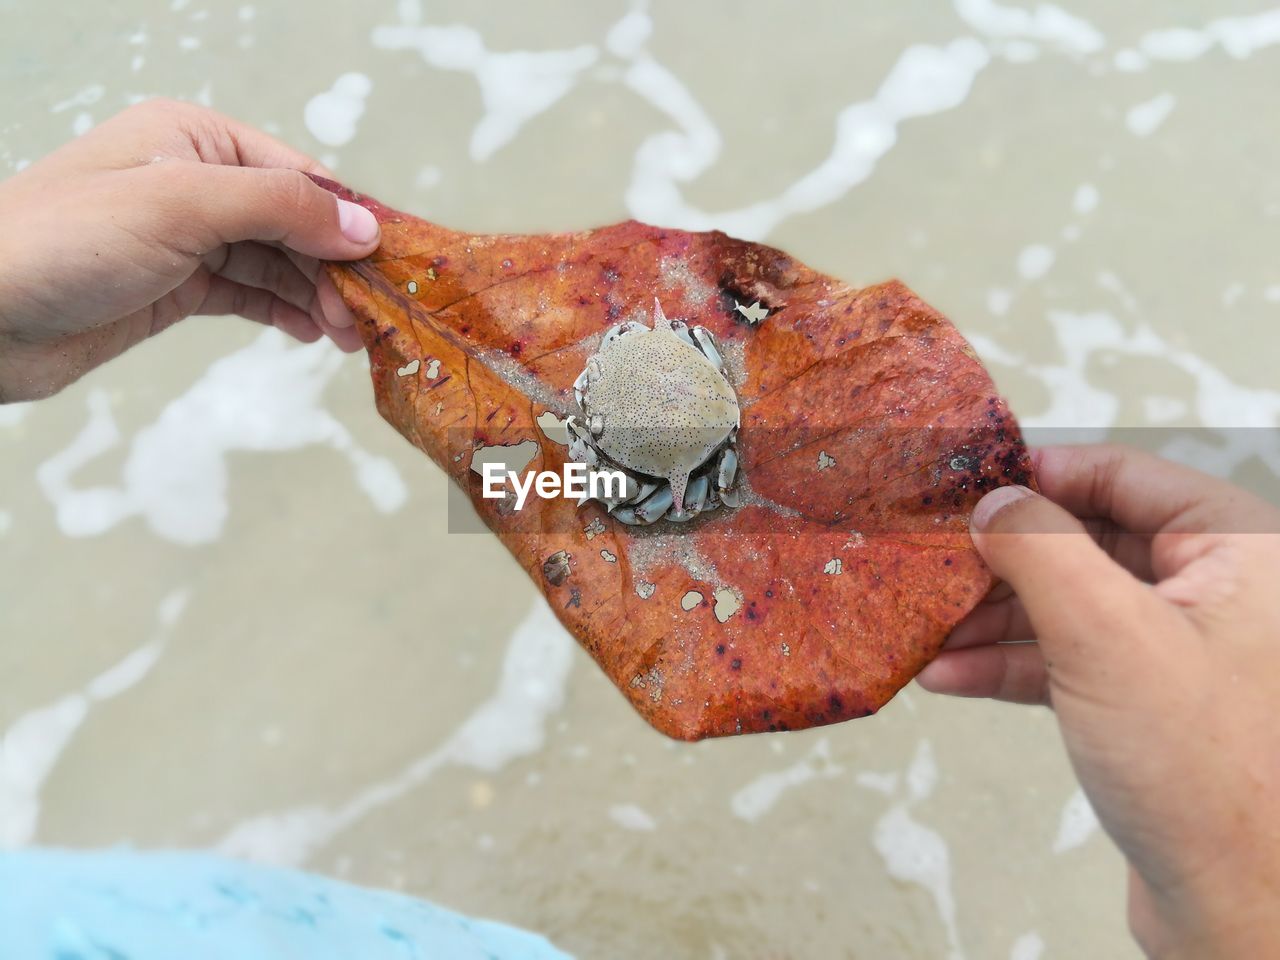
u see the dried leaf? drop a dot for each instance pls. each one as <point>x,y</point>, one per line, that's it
<point>869,431</point>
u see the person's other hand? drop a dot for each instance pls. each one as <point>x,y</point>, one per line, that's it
<point>1149,594</point>
<point>164,211</point>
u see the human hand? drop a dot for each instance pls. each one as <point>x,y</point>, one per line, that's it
<point>1157,643</point>
<point>164,211</point>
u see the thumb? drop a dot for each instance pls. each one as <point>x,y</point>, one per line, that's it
<point>274,205</point>
<point>1093,619</point>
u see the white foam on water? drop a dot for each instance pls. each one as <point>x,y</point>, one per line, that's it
<point>1073,401</point>
<point>999,300</point>
<point>758,797</point>
<point>172,607</point>
<point>332,116</point>
<point>515,86</point>
<point>1144,119</point>
<point>1110,282</point>
<point>631,817</point>
<point>1238,37</point>
<point>1219,405</point>
<point>915,853</point>
<point>1176,44</point>
<point>1232,293</point>
<point>628,36</point>
<point>1163,409</point>
<point>84,97</point>
<point>1077,823</point>
<point>1029,946</point>
<point>126,673</point>
<point>1045,23</point>
<point>30,748</point>
<point>1129,61</point>
<point>886,783</point>
<point>511,724</point>
<point>674,156</point>
<point>264,397</point>
<point>925,80</point>
<point>1035,260</point>
<point>922,775</point>
<point>1085,199</point>
<point>89,512</point>
<point>428,177</point>
<point>1018,51</point>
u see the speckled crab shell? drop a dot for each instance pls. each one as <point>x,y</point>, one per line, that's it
<point>657,404</point>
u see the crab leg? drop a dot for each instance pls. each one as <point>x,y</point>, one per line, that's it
<point>681,330</point>
<point>653,508</point>
<point>630,487</point>
<point>645,490</point>
<point>707,344</point>
<point>627,515</point>
<point>696,495</point>
<point>728,471</point>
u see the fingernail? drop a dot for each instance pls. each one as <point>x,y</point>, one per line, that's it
<point>357,224</point>
<point>993,503</point>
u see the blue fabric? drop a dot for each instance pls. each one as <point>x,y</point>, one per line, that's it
<point>124,905</point>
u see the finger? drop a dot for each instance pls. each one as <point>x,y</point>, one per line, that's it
<point>1014,672</point>
<point>332,315</point>
<point>264,267</point>
<point>245,146</point>
<point>262,306</point>
<point>281,272</point>
<point>336,311</point>
<point>332,307</point>
<point>165,127</point>
<point>347,339</point>
<point>308,266</point>
<point>1001,616</point>
<point>1076,597</point>
<point>204,205</point>
<point>1002,622</point>
<point>1131,550</point>
<point>1141,493</point>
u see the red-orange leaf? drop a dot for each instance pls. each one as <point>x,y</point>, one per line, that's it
<point>869,430</point>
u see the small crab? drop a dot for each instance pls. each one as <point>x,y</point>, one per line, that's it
<point>656,406</point>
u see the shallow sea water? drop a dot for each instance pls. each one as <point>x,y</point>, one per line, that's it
<point>231,616</point>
